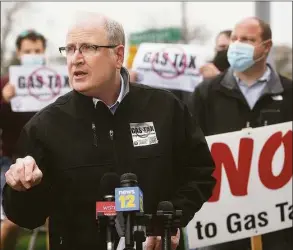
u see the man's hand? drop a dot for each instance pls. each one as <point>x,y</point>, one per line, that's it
<point>155,243</point>
<point>24,174</point>
<point>209,70</point>
<point>8,92</point>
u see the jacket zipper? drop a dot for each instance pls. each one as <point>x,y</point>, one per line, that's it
<point>94,134</point>
<point>111,134</point>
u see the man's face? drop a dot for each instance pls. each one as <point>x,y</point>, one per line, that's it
<point>90,74</point>
<point>30,47</point>
<point>222,42</point>
<point>249,31</point>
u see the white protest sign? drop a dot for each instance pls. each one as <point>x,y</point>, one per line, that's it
<point>253,194</point>
<point>170,66</point>
<point>37,86</point>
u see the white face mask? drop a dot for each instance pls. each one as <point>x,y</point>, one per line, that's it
<point>33,60</point>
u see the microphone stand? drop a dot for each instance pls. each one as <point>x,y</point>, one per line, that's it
<point>142,222</point>
<point>129,241</point>
<point>166,239</point>
<point>171,222</point>
<point>110,233</point>
<point>108,222</point>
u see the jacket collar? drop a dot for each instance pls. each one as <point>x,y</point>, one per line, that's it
<point>273,86</point>
<point>83,106</point>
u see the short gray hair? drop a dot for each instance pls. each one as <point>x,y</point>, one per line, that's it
<point>115,32</point>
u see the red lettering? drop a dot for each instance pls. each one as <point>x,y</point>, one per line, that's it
<point>266,157</point>
<point>237,176</point>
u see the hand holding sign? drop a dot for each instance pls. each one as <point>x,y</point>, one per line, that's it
<point>209,70</point>
<point>24,174</point>
<point>8,92</point>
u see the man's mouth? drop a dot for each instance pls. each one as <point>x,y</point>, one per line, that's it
<point>79,74</point>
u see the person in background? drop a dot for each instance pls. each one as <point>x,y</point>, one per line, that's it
<point>223,40</point>
<point>133,76</point>
<point>67,148</point>
<point>30,49</point>
<point>249,94</point>
<point>220,62</point>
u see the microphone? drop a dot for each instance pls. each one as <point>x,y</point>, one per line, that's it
<point>129,200</point>
<point>165,212</point>
<point>105,210</point>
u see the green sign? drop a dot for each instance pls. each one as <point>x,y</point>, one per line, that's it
<point>166,35</point>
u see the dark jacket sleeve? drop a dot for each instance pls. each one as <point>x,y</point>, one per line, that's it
<point>193,166</point>
<point>197,108</point>
<point>30,208</point>
<point>3,81</point>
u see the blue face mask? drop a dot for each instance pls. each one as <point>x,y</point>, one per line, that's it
<point>33,59</point>
<point>240,56</point>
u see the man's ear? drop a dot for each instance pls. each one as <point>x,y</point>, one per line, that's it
<point>120,56</point>
<point>18,54</point>
<point>268,45</point>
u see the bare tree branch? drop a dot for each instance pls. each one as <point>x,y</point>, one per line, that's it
<point>199,33</point>
<point>7,28</point>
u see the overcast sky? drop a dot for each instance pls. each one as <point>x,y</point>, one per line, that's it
<point>52,18</point>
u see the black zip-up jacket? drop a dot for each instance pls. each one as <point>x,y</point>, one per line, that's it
<point>74,144</point>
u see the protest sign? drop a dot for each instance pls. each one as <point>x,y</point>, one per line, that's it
<point>37,86</point>
<point>253,194</point>
<point>170,66</point>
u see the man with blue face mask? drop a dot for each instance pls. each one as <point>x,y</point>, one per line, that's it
<point>30,50</point>
<point>249,94</point>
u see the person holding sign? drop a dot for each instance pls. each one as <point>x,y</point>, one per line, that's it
<point>105,124</point>
<point>250,94</point>
<point>30,49</point>
<point>220,61</point>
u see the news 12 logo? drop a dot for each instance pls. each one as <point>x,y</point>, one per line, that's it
<point>128,199</point>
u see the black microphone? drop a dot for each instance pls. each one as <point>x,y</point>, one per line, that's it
<point>166,212</point>
<point>106,212</point>
<point>129,198</point>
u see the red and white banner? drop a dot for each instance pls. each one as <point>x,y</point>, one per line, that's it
<point>253,194</point>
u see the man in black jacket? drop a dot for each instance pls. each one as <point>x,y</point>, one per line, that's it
<point>106,124</point>
<point>249,94</point>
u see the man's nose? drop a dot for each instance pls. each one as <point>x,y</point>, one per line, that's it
<point>77,57</point>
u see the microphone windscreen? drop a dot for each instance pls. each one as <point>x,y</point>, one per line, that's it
<point>108,183</point>
<point>166,206</point>
<point>128,178</point>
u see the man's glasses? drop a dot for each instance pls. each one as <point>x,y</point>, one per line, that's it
<point>85,49</point>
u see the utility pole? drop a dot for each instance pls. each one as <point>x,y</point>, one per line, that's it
<point>263,11</point>
<point>184,29</point>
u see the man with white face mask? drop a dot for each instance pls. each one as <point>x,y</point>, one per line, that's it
<point>250,94</point>
<point>30,49</point>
